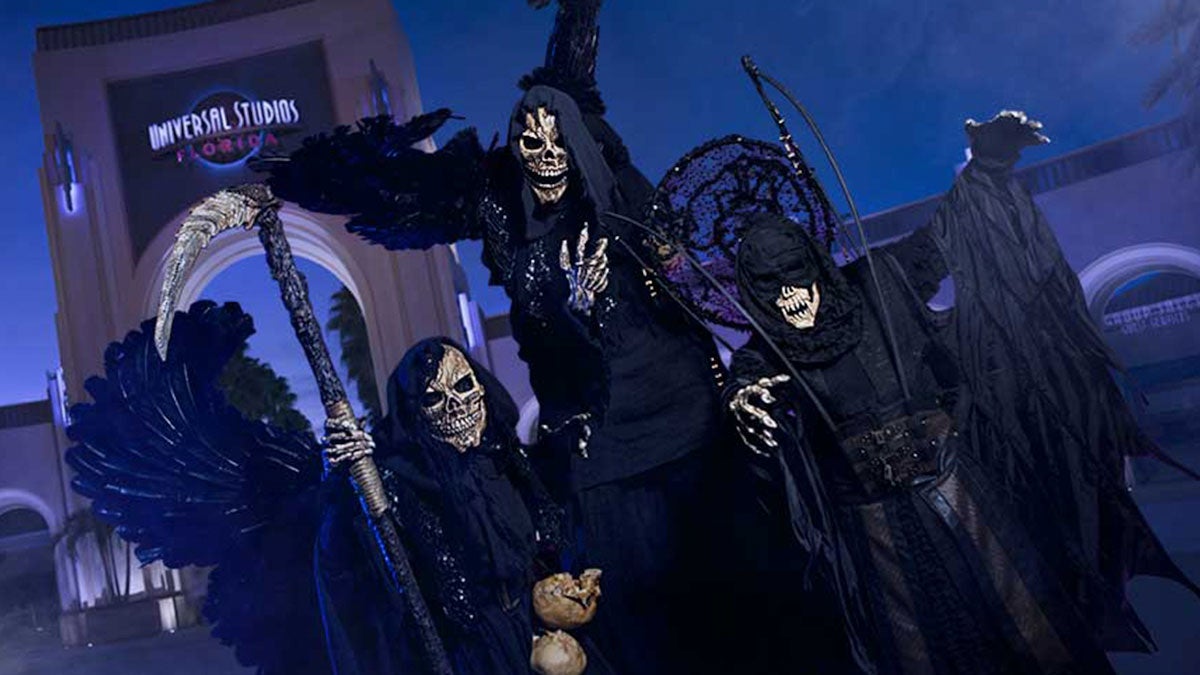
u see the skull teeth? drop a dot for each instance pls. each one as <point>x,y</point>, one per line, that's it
<point>458,424</point>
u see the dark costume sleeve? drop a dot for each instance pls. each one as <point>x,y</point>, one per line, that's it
<point>396,195</point>
<point>794,480</point>
<point>1039,375</point>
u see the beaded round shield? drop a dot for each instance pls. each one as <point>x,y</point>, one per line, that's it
<point>706,201</point>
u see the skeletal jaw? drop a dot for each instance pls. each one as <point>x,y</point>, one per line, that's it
<point>454,403</point>
<point>543,156</point>
<point>799,305</point>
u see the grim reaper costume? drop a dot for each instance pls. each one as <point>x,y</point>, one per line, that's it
<point>959,480</point>
<point>295,588</point>
<point>475,520</point>
<point>628,384</point>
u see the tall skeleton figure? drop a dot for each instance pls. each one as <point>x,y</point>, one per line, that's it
<point>957,476</point>
<point>628,384</point>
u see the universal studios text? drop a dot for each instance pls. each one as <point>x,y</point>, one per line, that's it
<point>224,128</point>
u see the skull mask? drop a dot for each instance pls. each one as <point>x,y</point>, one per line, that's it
<point>543,156</point>
<point>799,305</point>
<point>453,404</point>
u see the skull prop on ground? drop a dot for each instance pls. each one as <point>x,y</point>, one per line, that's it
<point>453,404</point>
<point>799,305</point>
<point>543,156</point>
<point>564,602</point>
<point>557,654</point>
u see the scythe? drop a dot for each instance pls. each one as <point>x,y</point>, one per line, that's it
<point>250,206</point>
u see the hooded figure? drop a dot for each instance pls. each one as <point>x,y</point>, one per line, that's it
<point>896,453</point>
<point>627,384</point>
<point>776,253</point>
<point>473,516</point>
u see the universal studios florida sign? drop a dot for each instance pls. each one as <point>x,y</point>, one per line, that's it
<point>223,128</point>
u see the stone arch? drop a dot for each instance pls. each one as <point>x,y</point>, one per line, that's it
<point>1106,274</point>
<point>311,236</point>
<point>11,499</point>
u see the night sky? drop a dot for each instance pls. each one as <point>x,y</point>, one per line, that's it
<point>890,82</point>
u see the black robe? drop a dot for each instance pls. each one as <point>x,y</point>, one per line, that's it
<point>478,527</point>
<point>957,568</point>
<point>644,373</point>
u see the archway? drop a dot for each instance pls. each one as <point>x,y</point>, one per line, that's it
<point>29,597</point>
<point>1147,301</point>
<point>318,250</point>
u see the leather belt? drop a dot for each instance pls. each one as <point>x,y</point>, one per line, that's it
<point>900,451</point>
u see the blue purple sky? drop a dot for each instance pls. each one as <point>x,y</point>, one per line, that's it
<point>890,82</point>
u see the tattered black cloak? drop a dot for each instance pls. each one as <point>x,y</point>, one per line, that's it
<point>964,572</point>
<point>473,523</point>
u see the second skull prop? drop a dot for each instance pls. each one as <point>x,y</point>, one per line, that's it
<point>544,156</point>
<point>453,403</point>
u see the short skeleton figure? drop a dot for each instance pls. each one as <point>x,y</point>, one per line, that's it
<point>474,515</point>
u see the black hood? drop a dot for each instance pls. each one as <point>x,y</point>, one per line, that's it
<point>404,436</point>
<point>777,251</point>
<point>589,177</point>
<point>471,491</point>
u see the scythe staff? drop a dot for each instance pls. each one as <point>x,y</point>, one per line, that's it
<point>250,206</point>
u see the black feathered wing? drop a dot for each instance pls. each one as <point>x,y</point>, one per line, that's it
<point>186,478</point>
<point>397,195</point>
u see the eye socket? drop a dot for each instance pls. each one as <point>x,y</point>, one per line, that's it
<point>431,399</point>
<point>531,143</point>
<point>465,384</point>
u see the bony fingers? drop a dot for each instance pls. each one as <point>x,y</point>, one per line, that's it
<point>564,257</point>
<point>581,247</point>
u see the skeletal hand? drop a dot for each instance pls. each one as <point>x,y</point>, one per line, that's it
<point>587,275</point>
<point>749,407</point>
<point>1004,136</point>
<point>346,442</point>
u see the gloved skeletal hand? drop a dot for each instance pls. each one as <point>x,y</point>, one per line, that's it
<point>587,274</point>
<point>346,442</point>
<point>754,424</point>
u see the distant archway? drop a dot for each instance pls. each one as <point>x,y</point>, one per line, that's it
<point>1106,274</point>
<point>12,499</point>
<point>310,236</point>
<point>1145,300</point>
<point>29,594</point>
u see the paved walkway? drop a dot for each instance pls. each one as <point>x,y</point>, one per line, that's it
<point>188,652</point>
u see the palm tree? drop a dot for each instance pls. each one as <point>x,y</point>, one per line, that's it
<point>256,391</point>
<point>346,319</point>
<point>83,524</point>
<point>1179,22</point>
